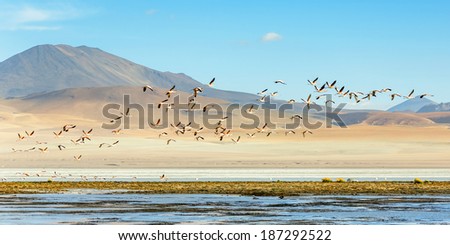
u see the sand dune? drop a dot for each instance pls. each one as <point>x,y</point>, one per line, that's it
<point>407,119</point>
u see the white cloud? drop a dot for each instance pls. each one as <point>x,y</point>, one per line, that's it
<point>31,18</point>
<point>271,37</point>
<point>29,14</point>
<point>40,28</point>
<point>151,12</point>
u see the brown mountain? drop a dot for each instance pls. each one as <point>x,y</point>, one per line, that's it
<point>47,68</point>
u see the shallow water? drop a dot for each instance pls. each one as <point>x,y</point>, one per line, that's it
<point>224,174</point>
<point>100,207</point>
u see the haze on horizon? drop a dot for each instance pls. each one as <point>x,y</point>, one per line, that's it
<point>246,46</point>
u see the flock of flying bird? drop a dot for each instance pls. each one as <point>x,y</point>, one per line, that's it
<point>83,138</point>
<point>221,131</point>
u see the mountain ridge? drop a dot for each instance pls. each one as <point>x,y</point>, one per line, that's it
<point>412,105</point>
<point>47,68</point>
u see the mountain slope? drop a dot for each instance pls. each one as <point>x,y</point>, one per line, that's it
<point>412,105</point>
<point>442,107</point>
<point>405,119</point>
<point>47,68</point>
<point>89,102</point>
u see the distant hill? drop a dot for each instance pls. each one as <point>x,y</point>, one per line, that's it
<point>88,102</point>
<point>47,68</point>
<point>405,119</point>
<point>442,107</point>
<point>412,105</point>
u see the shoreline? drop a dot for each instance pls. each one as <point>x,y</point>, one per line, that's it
<point>278,188</point>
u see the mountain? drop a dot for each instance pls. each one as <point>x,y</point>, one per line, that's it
<point>89,103</point>
<point>412,105</point>
<point>47,68</point>
<point>397,118</point>
<point>442,107</point>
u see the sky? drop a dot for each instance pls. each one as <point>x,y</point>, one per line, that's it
<point>246,45</point>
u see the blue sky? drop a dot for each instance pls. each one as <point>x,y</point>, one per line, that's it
<point>246,45</point>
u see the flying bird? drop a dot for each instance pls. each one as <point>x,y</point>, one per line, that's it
<point>169,140</point>
<point>197,90</point>
<point>423,95</point>
<point>410,95</point>
<point>314,82</point>
<point>78,158</point>
<point>115,119</point>
<point>331,85</point>
<point>289,132</point>
<point>147,87</point>
<point>260,130</point>
<point>198,131</point>
<point>306,131</point>
<point>157,123</point>
<point>31,149</point>
<point>291,101</point>
<point>262,99</point>
<point>393,96</point>
<point>237,140</point>
<point>171,91</point>
<point>320,96</point>
<point>162,134</point>
<point>57,135</point>
<point>308,101</point>
<point>61,147</point>
<point>163,177</point>
<point>29,134</point>
<point>44,150</point>
<point>210,84</point>
<point>162,102</point>
<point>127,113</point>
<point>104,144</point>
<point>117,131</point>
<point>321,89</point>
<point>206,107</point>
<point>280,81</point>
<point>340,91</point>
<point>263,92</point>
<point>251,109</point>
<point>67,127</point>
<point>88,132</point>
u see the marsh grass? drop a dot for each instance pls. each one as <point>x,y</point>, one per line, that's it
<point>327,180</point>
<point>235,188</point>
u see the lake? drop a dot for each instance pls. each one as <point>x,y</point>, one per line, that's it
<point>109,207</point>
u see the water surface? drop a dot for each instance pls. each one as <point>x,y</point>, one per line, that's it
<point>105,207</point>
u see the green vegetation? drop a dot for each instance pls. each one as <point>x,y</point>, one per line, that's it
<point>340,180</point>
<point>327,180</point>
<point>236,188</point>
